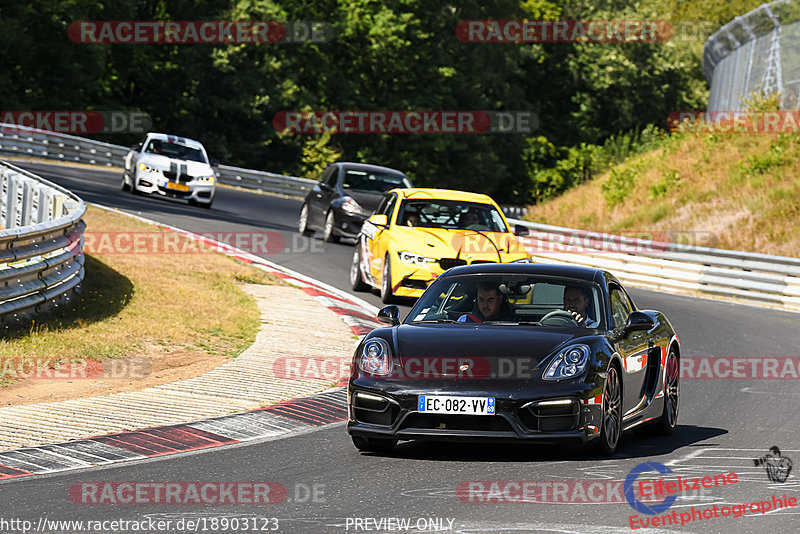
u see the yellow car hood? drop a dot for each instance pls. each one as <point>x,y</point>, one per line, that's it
<point>456,243</point>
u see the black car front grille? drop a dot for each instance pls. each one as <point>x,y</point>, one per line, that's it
<point>374,411</point>
<point>173,176</point>
<point>448,263</point>
<point>414,284</point>
<point>480,423</point>
<point>545,417</point>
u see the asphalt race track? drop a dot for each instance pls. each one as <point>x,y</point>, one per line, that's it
<point>724,424</point>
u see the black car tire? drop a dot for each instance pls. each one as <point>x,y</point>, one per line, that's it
<point>356,278</point>
<point>302,223</point>
<point>387,295</point>
<point>373,444</point>
<point>611,424</point>
<point>330,224</point>
<point>125,186</point>
<point>669,416</point>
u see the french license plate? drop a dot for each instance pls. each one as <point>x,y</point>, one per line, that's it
<point>177,187</point>
<point>455,405</point>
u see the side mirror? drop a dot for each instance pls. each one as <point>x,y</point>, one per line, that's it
<point>135,148</point>
<point>324,186</point>
<point>213,162</point>
<point>379,219</point>
<point>639,320</point>
<point>389,314</point>
<point>521,230</point>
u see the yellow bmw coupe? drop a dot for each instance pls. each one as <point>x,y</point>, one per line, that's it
<point>416,234</point>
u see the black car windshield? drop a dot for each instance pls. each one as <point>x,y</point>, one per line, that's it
<point>510,299</point>
<point>453,214</point>
<point>373,182</point>
<point>175,151</point>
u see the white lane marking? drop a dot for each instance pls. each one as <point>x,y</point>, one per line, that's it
<point>689,456</point>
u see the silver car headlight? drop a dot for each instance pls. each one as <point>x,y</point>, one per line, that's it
<point>210,179</point>
<point>376,357</point>
<point>569,363</point>
<point>416,259</point>
<point>350,205</point>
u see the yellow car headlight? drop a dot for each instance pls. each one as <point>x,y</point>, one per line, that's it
<point>414,258</point>
<point>206,179</point>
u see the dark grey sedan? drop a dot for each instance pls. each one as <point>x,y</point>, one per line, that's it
<point>347,193</point>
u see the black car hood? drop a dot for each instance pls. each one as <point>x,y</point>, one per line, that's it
<point>483,345</point>
<point>368,201</point>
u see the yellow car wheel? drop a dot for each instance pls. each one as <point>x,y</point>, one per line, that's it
<point>387,294</point>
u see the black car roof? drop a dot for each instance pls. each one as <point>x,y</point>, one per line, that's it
<point>590,274</point>
<point>367,167</point>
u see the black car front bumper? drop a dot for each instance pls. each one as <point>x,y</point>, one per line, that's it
<point>531,419</point>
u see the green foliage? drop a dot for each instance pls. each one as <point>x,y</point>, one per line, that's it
<point>763,163</point>
<point>318,153</point>
<point>596,102</point>
<point>620,182</point>
<point>670,180</point>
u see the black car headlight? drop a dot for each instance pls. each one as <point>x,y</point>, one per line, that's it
<point>376,357</point>
<point>568,363</point>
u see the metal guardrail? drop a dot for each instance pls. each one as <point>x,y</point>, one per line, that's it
<point>672,267</point>
<point>41,244</point>
<point>22,141</point>
<point>755,52</point>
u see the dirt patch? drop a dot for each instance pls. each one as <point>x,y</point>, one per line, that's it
<point>157,366</point>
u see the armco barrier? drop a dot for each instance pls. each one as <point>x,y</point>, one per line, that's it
<point>41,244</point>
<point>672,267</point>
<point>22,141</point>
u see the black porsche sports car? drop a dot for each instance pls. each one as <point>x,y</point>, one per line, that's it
<point>515,352</point>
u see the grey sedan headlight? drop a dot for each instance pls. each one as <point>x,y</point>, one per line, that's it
<point>350,205</point>
<point>376,357</point>
<point>569,363</point>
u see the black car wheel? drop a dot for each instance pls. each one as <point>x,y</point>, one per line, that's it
<point>669,416</point>
<point>611,425</point>
<point>387,295</point>
<point>373,444</point>
<point>125,186</point>
<point>327,234</point>
<point>302,224</point>
<point>356,278</point>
